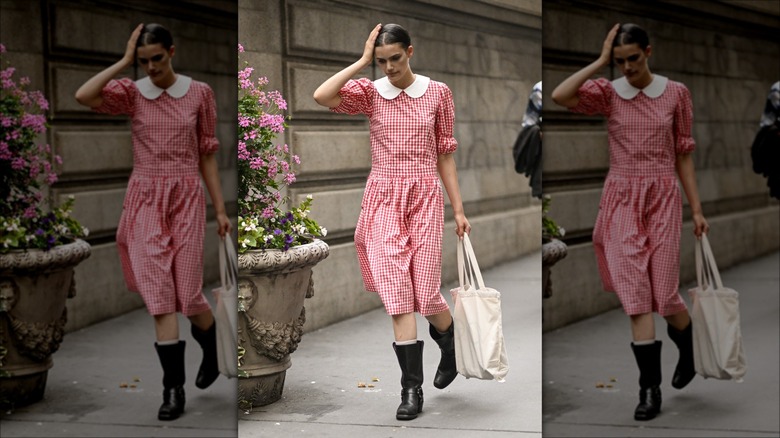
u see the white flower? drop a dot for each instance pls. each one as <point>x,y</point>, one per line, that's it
<point>85,230</point>
<point>323,231</point>
<point>309,197</point>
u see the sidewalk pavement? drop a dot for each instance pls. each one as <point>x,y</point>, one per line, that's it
<point>83,396</point>
<point>580,355</point>
<point>321,396</point>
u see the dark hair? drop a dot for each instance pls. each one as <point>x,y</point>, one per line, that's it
<point>393,34</point>
<point>629,33</point>
<point>154,33</point>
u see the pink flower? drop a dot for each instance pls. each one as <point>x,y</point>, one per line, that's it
<point>243,154</point>
<point>240,48</point>
<point>2,48</point>
<point>278,99</point>
<point>36,122</point>
<point>289,178</point>
<point>40,100</point>
<point>18,163</point>
<point>30,212</point>
<point>256,163</point>
<point>268,213</point>
<point>7,73</point>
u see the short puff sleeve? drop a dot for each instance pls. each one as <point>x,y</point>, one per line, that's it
<point>119,97</point>
<point>357,97</point>
<point>445,121</point>
<point>595,97</point>
<point>207,122</point>
<point>683,122</point>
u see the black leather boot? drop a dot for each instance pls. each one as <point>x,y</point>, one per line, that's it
<point>648,358</point>
<point>209,368</point>
<point>410,360</point>
<point>447,370</point>
<point>172,360</point>
<point>685,370</point>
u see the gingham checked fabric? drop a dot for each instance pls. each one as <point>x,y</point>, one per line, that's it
<point>399,232</point>
<point>161,231</point>
<point>637,232</point>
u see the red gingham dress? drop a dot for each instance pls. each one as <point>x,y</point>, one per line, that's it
<point>637,232</point>
<point>161,231</point>
<point>399,232</point>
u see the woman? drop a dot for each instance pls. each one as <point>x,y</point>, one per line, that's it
<point>161,231</point>
<point>637,232</point>
<point>399,233</point>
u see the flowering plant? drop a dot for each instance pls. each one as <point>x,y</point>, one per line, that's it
<point>550,230</point>
<point>26,167</point>
<point>264,169</point>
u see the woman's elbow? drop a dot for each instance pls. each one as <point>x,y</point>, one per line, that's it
<point>319,97</point>
<point>557,97</point>
<point>80,98</point>
<point>86,100</point>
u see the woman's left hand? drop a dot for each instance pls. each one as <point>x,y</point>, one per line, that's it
<point>224,226</point>
<point>462,225</point>
<point>700,225</point>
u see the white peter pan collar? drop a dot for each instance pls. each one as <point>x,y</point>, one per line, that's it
<point>151,91</point>
<point>628,91</point>
<point>390,91</point>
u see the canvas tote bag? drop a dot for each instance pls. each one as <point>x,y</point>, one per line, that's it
<point>479,340</point>
<point>717,339</point>
<point>226,313</point>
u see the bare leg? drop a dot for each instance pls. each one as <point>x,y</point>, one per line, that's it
<point>679,320</point>
<point>643,327</point>
<point>203,320</point>
<point>166,327</point>
<point>404,327</point>
<point>441,321</point>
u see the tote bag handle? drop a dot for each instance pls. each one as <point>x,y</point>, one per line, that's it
<point>706,269</point>
<point>228,263</point>
<point>468,264</point>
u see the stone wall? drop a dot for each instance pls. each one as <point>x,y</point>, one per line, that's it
<point>488,52</point>
<point>726,53</point>
<point>59,45</point>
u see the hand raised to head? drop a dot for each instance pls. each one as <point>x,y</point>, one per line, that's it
<point>606,49</point>
<point>368,50</point>
<point>129,56</point>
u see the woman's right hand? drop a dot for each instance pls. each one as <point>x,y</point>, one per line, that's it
<point>129,56</point>
<point>606,49</point>
<point>368,50</point>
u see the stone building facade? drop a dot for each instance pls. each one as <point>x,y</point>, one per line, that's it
<point>726,53</point>
<point>59,44</point>
<point>488,52</point>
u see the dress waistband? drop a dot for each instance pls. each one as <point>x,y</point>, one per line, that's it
<point>165,173</point>
<point>641,172</point>
<point>403,173</point>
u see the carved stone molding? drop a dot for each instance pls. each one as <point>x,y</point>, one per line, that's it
<point>35,260</point>
<point>553,251</point>
<point>277,261</point>
<point>38,340</point>
<point>275,339</point>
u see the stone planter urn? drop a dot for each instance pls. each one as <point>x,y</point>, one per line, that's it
<point>553,250</point>
<point>272,286</point>
<point>34,286</point>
